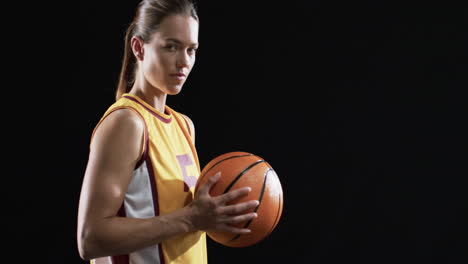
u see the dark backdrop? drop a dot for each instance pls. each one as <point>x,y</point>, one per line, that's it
<point>358,105</point>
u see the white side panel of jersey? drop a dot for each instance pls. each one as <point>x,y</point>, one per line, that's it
<point>139,204</point>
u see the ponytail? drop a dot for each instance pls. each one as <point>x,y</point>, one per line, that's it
<point>127,72</point>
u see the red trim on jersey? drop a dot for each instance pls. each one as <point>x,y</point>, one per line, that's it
<point>122,259</point>
<point>121,211</point>
<point>154,192</point>
<point>146,147</point>
<point>157,115</point>
<point>188,126</point>
<point>161,255</point>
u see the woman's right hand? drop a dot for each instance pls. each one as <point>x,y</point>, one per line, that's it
<point>213,212</point>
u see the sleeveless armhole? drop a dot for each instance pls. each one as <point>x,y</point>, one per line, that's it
<point>187,123</point>
<point>187,133</point>
<point>145,139</point>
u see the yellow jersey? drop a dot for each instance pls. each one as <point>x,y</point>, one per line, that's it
<point>163,181</point>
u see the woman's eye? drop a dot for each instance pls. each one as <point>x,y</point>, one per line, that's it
<point>171,47</point>
<point>192,50</point>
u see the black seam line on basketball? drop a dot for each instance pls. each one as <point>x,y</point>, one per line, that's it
<point>256,208</point>
<point>240,156</point>
<point>241,174</point>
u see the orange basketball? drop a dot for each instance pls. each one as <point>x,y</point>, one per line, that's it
<point>241,169</point>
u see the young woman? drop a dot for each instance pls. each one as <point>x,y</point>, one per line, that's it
<point>137,202</point>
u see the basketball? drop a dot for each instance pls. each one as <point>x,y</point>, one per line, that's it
<point>242,169</point>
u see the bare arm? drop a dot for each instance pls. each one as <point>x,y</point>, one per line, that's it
<point>115,150</point>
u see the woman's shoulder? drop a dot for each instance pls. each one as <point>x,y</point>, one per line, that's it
<point>120,122</point>
<point>125,118</point>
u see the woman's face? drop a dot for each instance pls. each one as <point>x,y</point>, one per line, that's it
<point>170,55</point>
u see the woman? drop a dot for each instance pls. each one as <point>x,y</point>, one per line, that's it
<point>137,202</point>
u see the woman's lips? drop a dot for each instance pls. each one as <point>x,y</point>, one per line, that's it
<point>178,76</point>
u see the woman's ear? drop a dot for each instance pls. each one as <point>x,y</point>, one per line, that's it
<point>137,47</point>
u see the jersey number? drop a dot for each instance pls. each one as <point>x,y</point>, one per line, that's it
<point>189,180</point>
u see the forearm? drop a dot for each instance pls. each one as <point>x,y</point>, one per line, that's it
<point>120,235</point>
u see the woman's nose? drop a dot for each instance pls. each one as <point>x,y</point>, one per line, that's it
<point>183,60</point>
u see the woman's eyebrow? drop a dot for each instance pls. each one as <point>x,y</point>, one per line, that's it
<point>180,42</point>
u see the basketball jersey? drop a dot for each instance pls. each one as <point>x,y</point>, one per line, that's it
<point>163,181</point>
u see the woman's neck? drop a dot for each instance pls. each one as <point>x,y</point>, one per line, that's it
<point>151,95</point>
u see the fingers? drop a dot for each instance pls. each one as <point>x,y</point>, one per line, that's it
<point>234,230</point>
<point>210,183</point>
<point>224,198</point>
<point>216,212</point>
<point>239,218</point>
<point>240,207</point>
<point>227,226</point>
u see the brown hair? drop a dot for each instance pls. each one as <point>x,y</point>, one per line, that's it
<point>149,15</point>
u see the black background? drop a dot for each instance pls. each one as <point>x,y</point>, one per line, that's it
<point>358,105</point>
